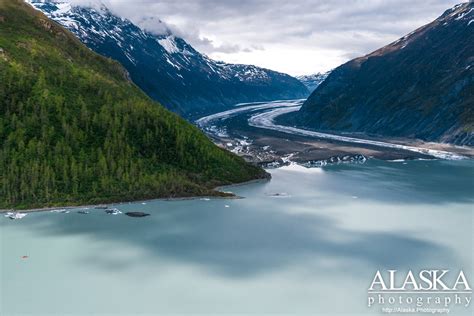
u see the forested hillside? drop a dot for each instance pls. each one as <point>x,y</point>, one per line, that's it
<point>75,130</point>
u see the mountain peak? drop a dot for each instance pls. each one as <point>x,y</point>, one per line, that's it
<point>313,81</point>
<point>460,12</point>
<point>165,66</point>
<point>154,25</point>
<point>95,4</point>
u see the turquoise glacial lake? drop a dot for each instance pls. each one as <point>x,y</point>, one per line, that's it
<point>308,242</point>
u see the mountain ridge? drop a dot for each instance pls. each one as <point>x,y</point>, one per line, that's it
<point>167,68</point>
<point>420,86</point>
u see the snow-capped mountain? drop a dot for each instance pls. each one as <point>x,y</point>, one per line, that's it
<point>313,81</point>
<point>420,86</point>
<point>166,67</point>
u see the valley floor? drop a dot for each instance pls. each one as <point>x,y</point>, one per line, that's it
<point>250,130</point>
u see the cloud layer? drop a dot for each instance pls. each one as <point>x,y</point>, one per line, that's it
<point>297,37</point>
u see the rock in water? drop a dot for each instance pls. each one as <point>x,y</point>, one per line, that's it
<point>137,214</point>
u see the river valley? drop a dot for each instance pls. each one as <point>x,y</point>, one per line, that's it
<point>252,130</point>
<point>306,242</point>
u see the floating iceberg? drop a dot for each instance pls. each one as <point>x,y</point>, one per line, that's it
<point>15,215</point>
<point>113,211</point>
<point>64,211</point>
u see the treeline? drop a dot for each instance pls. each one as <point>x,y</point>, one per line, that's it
<point>74,130</point>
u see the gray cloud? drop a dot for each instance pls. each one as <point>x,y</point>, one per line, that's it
<point>238,30</point>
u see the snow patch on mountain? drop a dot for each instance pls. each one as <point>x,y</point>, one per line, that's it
<point>161,62</point>
<point>313,81</point>
<point>169,44</point>
<point>460,12</point>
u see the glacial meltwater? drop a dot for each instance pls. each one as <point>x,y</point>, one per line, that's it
<point>307,242</point>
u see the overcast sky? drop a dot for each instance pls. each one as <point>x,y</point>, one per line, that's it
<point>296,37</point>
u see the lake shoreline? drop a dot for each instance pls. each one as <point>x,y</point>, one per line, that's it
<point>302,232</point>
<point>230,196</point>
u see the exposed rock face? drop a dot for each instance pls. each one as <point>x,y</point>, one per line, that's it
<point>421,86</point>
<point>167,68</point>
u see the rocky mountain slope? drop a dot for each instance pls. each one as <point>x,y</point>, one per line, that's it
<point>313,81</point>
<point>166,67</point>
<point>420,86</point>
<point>76,130</point>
